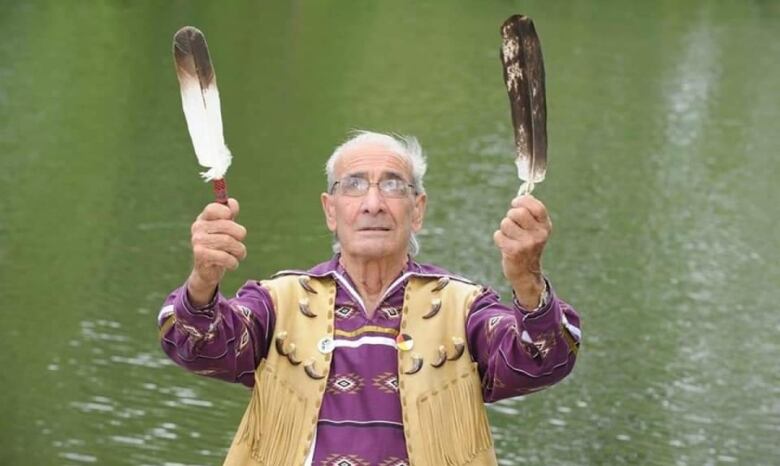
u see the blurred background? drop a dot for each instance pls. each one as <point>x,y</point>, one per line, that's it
<point>663,161</point>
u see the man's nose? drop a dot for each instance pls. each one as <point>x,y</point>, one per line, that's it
<point>373,202</point>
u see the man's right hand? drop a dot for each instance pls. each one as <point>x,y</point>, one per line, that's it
<point>217,246</point>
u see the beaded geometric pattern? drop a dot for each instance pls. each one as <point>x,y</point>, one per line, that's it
<point>386,382</point>
<point>393,461</point>
<point>245,313</point>
<point>345,384</point>
<point>491,326</point>
<point>391,312</point>
<point>243,342</point>
<point>344,312</point>
<point>344,460</point>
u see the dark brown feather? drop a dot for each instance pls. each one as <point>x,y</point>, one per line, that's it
<point>521,55</point>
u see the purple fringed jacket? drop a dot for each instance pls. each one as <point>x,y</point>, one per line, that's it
<point>360,423</point>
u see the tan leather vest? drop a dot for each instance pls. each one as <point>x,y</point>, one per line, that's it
<point>445,423</point>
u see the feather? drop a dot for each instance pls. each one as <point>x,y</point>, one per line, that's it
<point>521,55</point>
<point>200,101</point>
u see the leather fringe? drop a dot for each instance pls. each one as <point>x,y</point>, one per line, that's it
<point>463,430</point>
<point>275,420</point>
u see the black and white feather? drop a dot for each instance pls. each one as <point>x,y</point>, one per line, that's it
<point>200,101</point>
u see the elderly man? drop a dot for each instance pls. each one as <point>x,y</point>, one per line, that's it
<point>371,358</point>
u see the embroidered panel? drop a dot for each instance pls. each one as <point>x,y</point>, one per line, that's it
<point>345,312</point>
<point>344,460</point>
<point>350,383</point>
<point>386,382</point>
<point>393,461</point>
<point>390,313</point>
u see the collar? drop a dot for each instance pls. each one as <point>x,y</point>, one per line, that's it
<point>333,268</point>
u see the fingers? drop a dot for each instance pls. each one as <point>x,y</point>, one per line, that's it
<point>500,239</point>
<point>533,205</point>
<point>219,242</point>
<point>224,227</point>
<point>513,246</point>
<point>529,214</point>
<point>512,228</point>
<point>205,257</point>
<point>525,228</point>
<point>524,219</point>
<point>217,211</point>
<point>233,205</point>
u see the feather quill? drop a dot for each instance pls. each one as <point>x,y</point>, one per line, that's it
<point>200,102</point>
<point>521,55</point>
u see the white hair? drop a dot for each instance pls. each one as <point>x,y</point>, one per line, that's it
<point>406,148</point>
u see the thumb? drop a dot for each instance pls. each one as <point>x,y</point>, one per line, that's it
<point>233,205</point>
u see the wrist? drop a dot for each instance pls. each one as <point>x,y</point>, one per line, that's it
<point>200,292</point>
<point>529,291</point>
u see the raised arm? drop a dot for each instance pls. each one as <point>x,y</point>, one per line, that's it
<point>533,343</point>
<point>200,329</point>
<point>217,246</point>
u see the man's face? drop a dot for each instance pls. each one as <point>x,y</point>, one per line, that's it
<point>374,225</point>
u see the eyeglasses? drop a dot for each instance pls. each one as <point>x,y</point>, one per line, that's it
<point>355,186</point>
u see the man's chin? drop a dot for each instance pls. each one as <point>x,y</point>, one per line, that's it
<point>373,248</point>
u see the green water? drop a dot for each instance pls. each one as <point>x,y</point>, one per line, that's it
<point>663,130</point>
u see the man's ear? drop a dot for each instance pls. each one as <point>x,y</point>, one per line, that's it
<point>418,214</point>
<point>329,208</point>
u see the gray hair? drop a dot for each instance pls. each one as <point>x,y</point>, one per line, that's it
<point>407,148</point>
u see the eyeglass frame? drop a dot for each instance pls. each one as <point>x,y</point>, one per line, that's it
<point>376,183</point>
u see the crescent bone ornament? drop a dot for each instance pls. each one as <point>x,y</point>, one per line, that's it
<point>441,358</point>
<point>460,346</point>
<point>291,355</point>
<point>303,306</point>
<point>435,308</point>
<point>279,343</point>
<point>311,370</point>
<point>417,364</point>
<point>441,283</point>
<point>303,280</point>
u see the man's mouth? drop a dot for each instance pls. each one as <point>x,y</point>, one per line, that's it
<point>374,229</point>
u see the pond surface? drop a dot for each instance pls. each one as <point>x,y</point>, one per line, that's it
<point>663,130</point>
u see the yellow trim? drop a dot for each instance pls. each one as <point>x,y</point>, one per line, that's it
<point>167,325</point>
<point>366,329</point>
<point>570,341</point>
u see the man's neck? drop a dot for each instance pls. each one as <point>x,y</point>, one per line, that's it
<point>372,277</point>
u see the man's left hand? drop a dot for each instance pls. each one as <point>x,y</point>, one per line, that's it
<point>521,239</point>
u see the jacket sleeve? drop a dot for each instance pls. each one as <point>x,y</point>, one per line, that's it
<point>520,352</point>
<point>225,339</point>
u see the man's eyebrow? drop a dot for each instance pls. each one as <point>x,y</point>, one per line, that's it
<point>386,175</point>
<point>391,175</point>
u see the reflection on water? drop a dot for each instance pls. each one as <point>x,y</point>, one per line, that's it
<point>136,417</point>
<point>662,141</point>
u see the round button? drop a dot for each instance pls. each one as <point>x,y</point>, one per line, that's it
<point>404,342</point>
<point>326,345</point>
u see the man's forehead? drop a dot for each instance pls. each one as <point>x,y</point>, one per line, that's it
<point>371,158</point>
